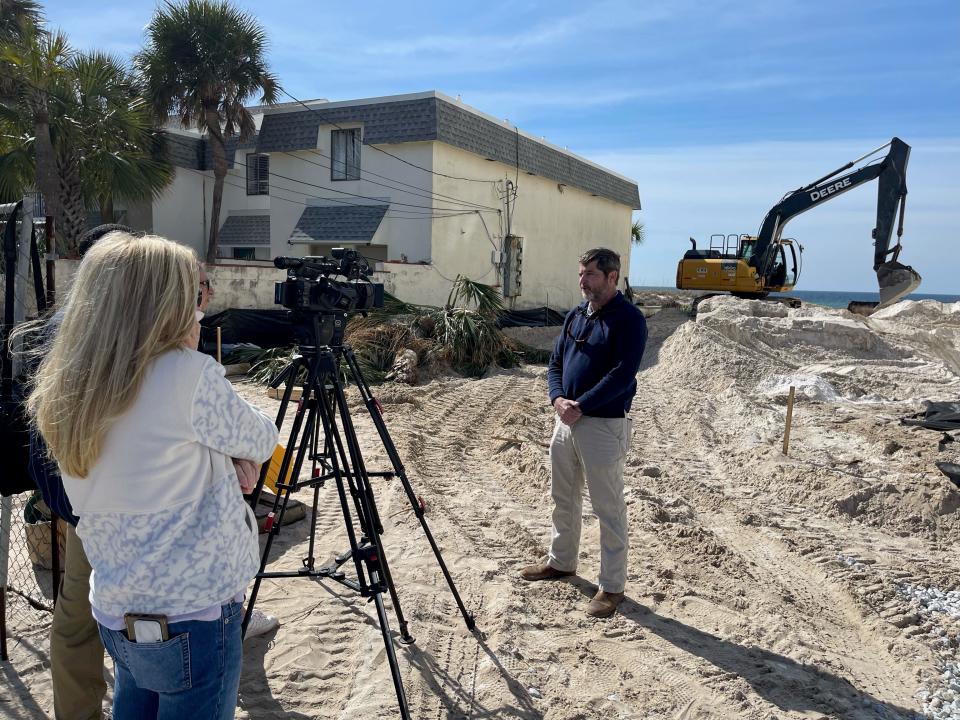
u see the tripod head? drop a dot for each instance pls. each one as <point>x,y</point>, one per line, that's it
<point>313,330</point>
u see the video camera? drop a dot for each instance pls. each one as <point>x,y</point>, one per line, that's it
<point>310,286</point>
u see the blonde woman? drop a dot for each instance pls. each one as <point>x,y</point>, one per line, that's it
<point>143,428</point>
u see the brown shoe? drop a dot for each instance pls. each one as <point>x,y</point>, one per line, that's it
<point>532,573</point>
<point>604,604</point>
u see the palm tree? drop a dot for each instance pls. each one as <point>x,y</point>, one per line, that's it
<point>34,68</point>
<point>115,134</point>
<point>202,60</point>
<point>16,18</point>
<point>103,142</point>
<point>637,234</point>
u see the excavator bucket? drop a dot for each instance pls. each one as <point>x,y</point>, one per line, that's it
<point>896,280</point>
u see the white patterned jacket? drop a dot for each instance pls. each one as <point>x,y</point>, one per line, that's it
<point>162,518</point>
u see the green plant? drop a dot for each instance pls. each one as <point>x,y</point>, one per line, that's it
<point>101,135</point>
<point>637,233</point>
<point>470,342</point>
<point>266,364</point>
<point>486,298</point>
<point>31,71</point>
<point>202,60</point>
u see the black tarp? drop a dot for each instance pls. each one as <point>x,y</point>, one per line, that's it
<point>951,470</point>
<point>272,328</point>
<point>535,317</point>
<point>264,328</point>
<point>937,416</point>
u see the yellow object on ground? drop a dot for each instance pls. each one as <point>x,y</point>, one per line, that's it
<point>273,469</point>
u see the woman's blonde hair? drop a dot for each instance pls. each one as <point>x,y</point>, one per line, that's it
<point>132,300</point>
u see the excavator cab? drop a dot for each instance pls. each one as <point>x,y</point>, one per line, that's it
<point>786,267</point>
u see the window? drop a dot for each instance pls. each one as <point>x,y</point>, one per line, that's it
<point>345,153</point>
<point>244,253</point>
<point>258,174</point>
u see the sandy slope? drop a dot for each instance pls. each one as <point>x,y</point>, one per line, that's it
<point>760,585</point>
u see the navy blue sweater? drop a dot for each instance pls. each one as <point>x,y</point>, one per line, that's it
<point>596,358</point>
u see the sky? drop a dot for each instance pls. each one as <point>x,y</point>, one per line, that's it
<point>715,108</point>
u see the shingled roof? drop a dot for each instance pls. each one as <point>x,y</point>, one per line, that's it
<point>338,224</point>
<point>433,116</point>
<point>245,230</point>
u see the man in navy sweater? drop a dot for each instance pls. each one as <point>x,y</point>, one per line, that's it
<point>592,381</point>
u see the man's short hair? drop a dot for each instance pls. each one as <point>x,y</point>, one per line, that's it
<point>90,237</point>
<point>607,260</point>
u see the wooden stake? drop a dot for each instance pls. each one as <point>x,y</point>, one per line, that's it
<point>786,430</point>
<point>219,359</point>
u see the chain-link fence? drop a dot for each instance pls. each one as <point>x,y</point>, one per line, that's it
<point>29,561</point>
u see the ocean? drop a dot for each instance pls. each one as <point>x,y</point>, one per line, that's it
<point>841,298</point>
<point>834,298</point>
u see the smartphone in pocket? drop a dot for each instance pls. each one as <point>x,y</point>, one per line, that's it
<point>145,628</point>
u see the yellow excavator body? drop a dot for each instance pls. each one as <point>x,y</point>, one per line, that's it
<point>733,276</point>
<point>724,267</point>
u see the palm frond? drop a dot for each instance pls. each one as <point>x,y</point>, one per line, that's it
<point>469,341</point>
<point>268,364</point>
<point>485,298</point>
<point>637,233</point>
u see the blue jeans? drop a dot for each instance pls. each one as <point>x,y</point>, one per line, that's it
<point>194,674</point>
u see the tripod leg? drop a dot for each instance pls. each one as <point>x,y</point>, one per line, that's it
<point>372,528</point>
<point>342,470</point>
<point>288,376</point>
<point>373,409</point>
<point>310,560</point>
<point>391,657</point>
<point>304,408</point>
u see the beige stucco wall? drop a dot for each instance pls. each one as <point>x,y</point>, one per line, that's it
<point>235,286</point>
<point>245,286</point>
<point>418,284</point>
<point>556,226</point>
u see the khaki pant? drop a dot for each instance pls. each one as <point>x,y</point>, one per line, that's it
<point>76,652</point>
<point>592,450</point>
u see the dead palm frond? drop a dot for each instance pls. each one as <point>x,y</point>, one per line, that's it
<point>469,341</point>
<point>465,292</point>
<point>376,348</point>
<point>267,364</point>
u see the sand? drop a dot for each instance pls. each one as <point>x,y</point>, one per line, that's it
<point>822,584</point>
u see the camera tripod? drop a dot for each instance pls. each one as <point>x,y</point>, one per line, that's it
<point>323,406</point>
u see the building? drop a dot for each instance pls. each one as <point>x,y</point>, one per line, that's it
<point>424,185</point>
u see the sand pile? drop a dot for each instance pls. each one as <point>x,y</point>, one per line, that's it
<point>819,584</point>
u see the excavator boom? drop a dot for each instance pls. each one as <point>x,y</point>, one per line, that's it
<point>766,257</point>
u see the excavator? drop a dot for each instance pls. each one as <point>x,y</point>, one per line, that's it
<point>753,266</point>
